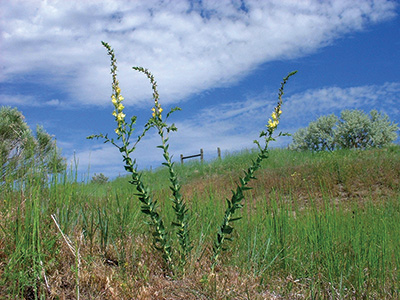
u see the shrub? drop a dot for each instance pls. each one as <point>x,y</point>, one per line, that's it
<point>318,136</point>
<point>358,130</point>
<point>354,129</point>
<point>99,178</point>
<point>21,151</point>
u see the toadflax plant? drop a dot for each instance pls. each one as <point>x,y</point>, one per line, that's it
<point>235,202</point>
<point>124,144</point>
<point>123,141</point>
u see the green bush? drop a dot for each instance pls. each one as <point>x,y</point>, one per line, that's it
<point>354,129</point>
<point>21,151</point>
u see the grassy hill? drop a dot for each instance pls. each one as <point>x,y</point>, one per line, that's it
<point>314,226</point>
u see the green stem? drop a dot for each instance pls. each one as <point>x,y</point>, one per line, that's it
<point>225,230</point>
<point>149,207</point>
<point>179,205</point>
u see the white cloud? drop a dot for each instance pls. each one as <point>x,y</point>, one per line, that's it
<point>188,46</point>
<point>13,100</point>
<point>53,102</point>
<point>311,104</point>
<point>29,101</point>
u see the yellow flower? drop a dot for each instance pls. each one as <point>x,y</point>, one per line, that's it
<point>120,117</point>
<point>156,110</point>
<point>272,124</point>
<point>274,116</point>
<point>120,107</point>
<point>113,100</point>
<point>114,113</point>
<point>118,90</point>
<point>117,131</point>
<point>120,98</point>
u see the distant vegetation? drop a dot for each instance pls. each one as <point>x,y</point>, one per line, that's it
<point>99,178</point>
<point>22,152</point>
<point>354,130</point>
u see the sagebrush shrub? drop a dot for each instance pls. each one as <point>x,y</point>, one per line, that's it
<point>354,129</point>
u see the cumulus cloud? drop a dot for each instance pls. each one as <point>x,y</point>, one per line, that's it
<point>29,101</point>
<point>189,46</point>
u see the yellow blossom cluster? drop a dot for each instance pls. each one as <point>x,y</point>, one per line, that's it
<point>117,99</point>
<point>273,123</point>
<point>157,110</point>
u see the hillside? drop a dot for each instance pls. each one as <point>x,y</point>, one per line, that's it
<point>314,225</point>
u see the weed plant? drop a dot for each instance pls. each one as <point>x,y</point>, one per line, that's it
<point>161,238</point>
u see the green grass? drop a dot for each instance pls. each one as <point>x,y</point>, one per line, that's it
<point>314,226</point>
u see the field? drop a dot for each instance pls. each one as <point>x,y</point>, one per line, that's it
<point>314,226</point>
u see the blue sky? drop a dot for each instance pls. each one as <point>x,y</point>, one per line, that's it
<point>220,61</point>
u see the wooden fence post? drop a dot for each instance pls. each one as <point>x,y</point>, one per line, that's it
<point>201,155</point>
<point>219,153</point>
<point>182,159</point>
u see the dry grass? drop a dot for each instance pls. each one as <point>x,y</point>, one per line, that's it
<point>144,279</point>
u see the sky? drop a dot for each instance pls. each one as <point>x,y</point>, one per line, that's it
<point>221,61</point>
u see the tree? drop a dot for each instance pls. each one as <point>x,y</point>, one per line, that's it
<point>21,151</point>
<point>354,129</point>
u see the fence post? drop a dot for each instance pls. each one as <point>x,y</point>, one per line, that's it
<point>219,153</point>
<point>195,155</point>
